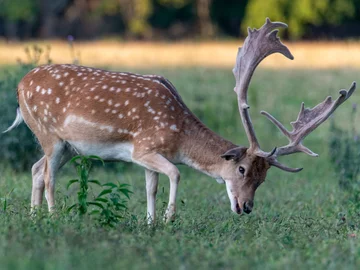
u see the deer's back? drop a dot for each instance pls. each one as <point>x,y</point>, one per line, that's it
<point>74,102</point>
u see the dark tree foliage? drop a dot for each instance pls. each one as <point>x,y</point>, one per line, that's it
<point>174,19</point>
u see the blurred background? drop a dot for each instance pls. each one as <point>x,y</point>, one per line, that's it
<point>145,33</point>
<point>175,19</point>
<point>191,42</point>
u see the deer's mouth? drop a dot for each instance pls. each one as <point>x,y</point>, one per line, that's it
<point>237,209</point>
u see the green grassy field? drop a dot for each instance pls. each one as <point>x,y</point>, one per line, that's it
<point>300,221</point>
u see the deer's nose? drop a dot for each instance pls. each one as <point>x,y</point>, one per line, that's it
<point>248,206</point>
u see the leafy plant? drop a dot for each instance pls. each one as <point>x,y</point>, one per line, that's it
<point>344,149</point>
<point>5,200</point>
<point>108,206</point>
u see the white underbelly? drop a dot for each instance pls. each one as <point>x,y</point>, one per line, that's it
<point>107,151</point>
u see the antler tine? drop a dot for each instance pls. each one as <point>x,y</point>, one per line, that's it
<point>277,164</point>
<point>307,121</point>
<point>258,45</point>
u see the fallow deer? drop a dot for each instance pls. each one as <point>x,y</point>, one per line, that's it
<point>142,119</point>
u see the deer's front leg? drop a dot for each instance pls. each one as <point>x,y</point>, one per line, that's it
<point>152,179</point>
<point>156,162</point>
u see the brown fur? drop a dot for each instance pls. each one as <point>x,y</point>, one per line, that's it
<point>62,103</point>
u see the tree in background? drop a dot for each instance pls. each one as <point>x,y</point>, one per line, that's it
<point>135,14</point>
<point>298,13</point>
<point>13,11</point>
<point>206,28</point>
<point>49,12</point>
<point>201,20</point>
<point>174,19</point>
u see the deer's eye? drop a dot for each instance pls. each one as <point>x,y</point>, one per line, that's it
<point>241,170</point>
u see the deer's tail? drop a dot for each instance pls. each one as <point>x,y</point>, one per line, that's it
<point>18,120</point>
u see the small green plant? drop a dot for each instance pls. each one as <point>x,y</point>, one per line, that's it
<point>108,206</point>
<point>5,200</point>
<point>344,148</point>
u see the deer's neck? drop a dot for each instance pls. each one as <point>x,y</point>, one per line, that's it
<point>202,148</point>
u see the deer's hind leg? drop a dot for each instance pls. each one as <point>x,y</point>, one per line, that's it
<point>44,171</point>
<point>38,183</point>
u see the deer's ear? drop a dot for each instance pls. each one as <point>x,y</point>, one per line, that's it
<point>234,154</point>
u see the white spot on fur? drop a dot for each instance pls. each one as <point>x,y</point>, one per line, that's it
<point>173,127</point>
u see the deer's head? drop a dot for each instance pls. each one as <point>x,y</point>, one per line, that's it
<point>245,168</point>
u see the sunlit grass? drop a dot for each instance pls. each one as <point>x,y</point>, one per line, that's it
<point>321,55</point>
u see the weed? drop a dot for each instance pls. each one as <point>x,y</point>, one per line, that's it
<point>109,204</point>
<point>5,200</point>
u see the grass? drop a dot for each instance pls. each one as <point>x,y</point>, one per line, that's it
<point>322,55</point>
<point>300,221</point>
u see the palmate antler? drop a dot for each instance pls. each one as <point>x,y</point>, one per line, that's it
<point>258,45</point>
<point>307,121</point>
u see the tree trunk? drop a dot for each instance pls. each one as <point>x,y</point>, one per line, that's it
<point>11,30</point>
<point>49,11</point>
<point>204,21</point>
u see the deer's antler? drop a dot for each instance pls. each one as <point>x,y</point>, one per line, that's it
<point>258,45</point>
<point>307,121</point>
